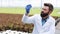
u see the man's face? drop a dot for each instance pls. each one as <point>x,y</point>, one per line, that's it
<point>45,11</point>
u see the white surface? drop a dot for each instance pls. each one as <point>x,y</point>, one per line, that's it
<point>12,32</point>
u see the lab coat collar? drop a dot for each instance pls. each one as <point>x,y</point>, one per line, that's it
<point>47,22</point>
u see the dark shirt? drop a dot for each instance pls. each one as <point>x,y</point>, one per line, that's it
<point>44,21</point>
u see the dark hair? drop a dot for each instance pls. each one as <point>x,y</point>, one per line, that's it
<point>49,5</point>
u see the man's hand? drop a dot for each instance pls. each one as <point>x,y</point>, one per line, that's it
<point>28,7</point>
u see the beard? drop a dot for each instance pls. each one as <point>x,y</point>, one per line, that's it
<point>44,14</point>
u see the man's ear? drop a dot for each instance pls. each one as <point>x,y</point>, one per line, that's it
<point>50,12</point>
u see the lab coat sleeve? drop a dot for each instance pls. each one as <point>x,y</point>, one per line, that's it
<point>27,19</point>
<point>52,29</point>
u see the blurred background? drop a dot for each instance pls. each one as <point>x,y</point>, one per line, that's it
<point>11,12</point>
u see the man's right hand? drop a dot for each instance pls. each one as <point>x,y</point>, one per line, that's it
<point>28,7</point>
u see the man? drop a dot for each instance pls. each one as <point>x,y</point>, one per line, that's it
<point>43,23</point>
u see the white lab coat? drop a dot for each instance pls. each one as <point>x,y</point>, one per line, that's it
<point>47,28</point>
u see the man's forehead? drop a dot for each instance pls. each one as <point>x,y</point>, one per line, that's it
<point>45,7</point>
